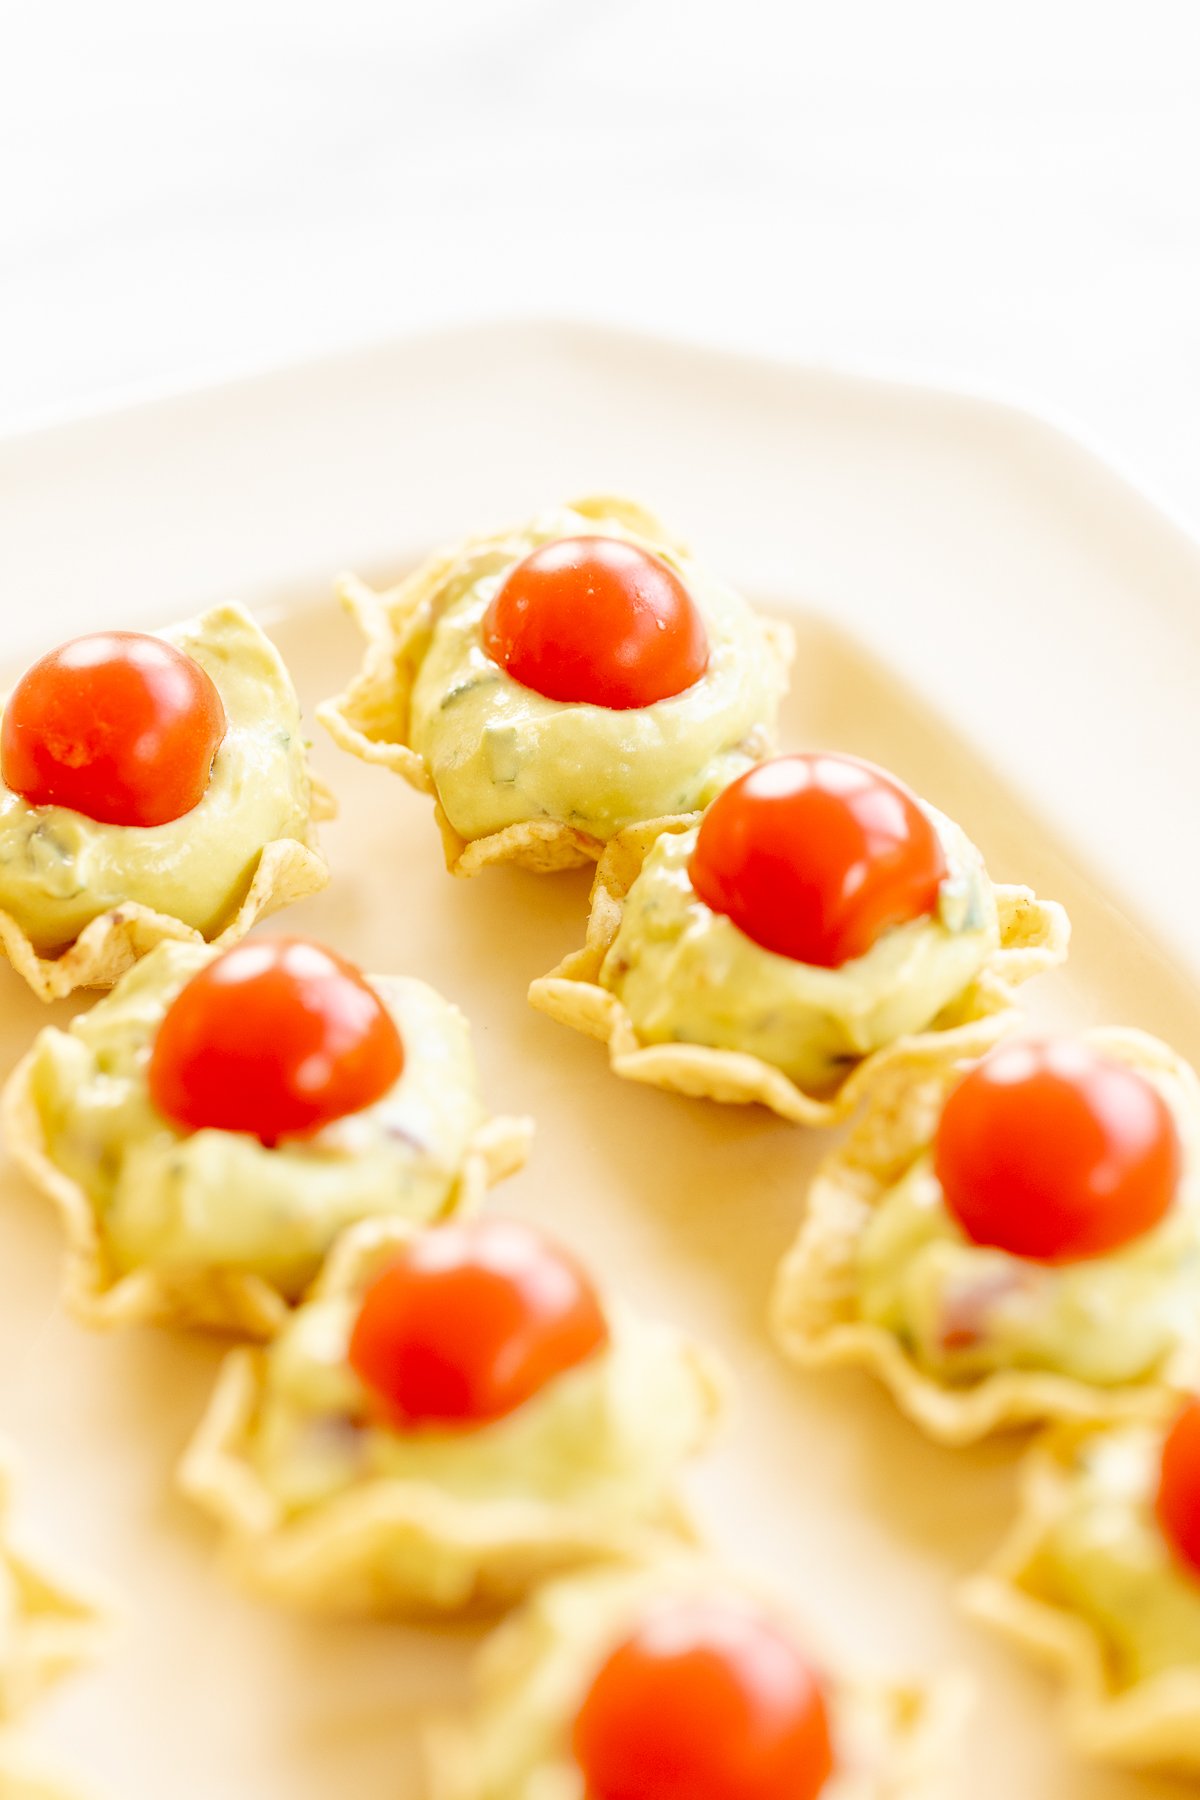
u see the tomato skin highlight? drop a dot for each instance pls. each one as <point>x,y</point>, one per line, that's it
<point>707,1700</point>
<point>1177,1503</point>
<point>597,620</point>
<point>277,1037</point>
<point>471,1321</point>
<point>814,856</point>
<point>1056,1153</point>
<point>118,726</point>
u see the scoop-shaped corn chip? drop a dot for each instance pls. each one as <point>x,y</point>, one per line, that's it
<point>287,869</point>
<point>372,718</point>
<point>401,1545</point>
<point>815,1306</point>
<point>1151,1723</point>
<point>51,1621</point>
<point>105,1296</point>
<point>1033,937</point>
<point>894,1740</point>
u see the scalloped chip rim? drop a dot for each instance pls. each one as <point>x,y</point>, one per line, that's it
<point>376,702</point>
<point>492,1551</point>
<point>219,1300</point>
<point>62,1623</point>
<point>1034,935</point>
<point>812,1318</point>
<point>111,944</point>
<point>926,1719</point>
<point>1151,1724</point>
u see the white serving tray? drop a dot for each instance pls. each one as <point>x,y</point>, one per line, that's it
<point>981,605</point>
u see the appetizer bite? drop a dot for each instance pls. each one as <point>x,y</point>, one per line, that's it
<point>1100,1578</point>
<point>553,684</point>
<point>785,947</point>
<point>214,1123</point>
<point>678,1681</point>
<point>452,1416</point>
<point>50,1621</point>
<point>151,787</point>
<point>1014,1240</point>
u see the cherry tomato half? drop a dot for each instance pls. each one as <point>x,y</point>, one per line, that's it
<point>597,619</point>
<point>471,1321</point>
<point>276,1037</point>
<point>118,726</point>
<point>707,1700</point>
<point>1178,1500</point>
<point>816,856</point>
<point>1054,1152</point>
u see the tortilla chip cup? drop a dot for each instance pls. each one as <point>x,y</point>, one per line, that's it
<point>1033,937</point>
<point>814,1309</point>
<point>400,1546</point>
<point>1153,1723</point>
<point>371,719</point>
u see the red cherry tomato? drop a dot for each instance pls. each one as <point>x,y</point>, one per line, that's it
<point>1178,1502</point>
<point>816,856</point>
<point>599,620</point>
<point>471,1321</point>
<point>707,1700</point>
<point>276,1037</point>
<point>1053,1152</point>
<point>119,726</point>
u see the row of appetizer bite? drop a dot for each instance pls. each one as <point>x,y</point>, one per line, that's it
<point>260,1138</point>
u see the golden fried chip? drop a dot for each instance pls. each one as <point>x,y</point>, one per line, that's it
<point>371,719</point>
<point>104,1296</point>
<point>391,1545</point>
<point>1033,937</point>
<point>1153,1723</point>
<point>532,1674</point>
<point>814,1308</point>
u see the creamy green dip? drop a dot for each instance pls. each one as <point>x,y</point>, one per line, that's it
<point>535,1673</point>
<point>1105,1558</point>
<point>501,754</point>
<point>962,1311</point>
<point>59,870</point>
<point>610,1432</point>
<point>176,1201</point>
<point>686,974</point>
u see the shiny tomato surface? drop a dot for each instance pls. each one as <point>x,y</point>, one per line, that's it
<point>707,1700</point>
<point>471,1321</point>
<point>1178,1500</point>
<point>1052,1151</point>
<point>597,620</point>
<point>816,856</point>
<point>276,1037</point>
<point>118,726</point>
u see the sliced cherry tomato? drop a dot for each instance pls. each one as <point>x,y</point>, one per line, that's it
<point>471,1321</point>
<point>599,620</point>
<point>1051,1151</point>
<point>707,1700</point>
<point>276,1037</point>
<point>816,856</point>
<point>118,726</point>
<point>1178,1501</point>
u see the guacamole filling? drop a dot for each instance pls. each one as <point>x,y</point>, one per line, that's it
<point>1105,1558</point>
<point>501,754</point>
<point>686,974</point>
<point>608,1433</point>
<point>176,1201</point>
<point>59,869</point>
<point>537,1673</point>
<point>963,1311</point>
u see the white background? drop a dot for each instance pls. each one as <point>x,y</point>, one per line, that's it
<point>1006,196</point>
